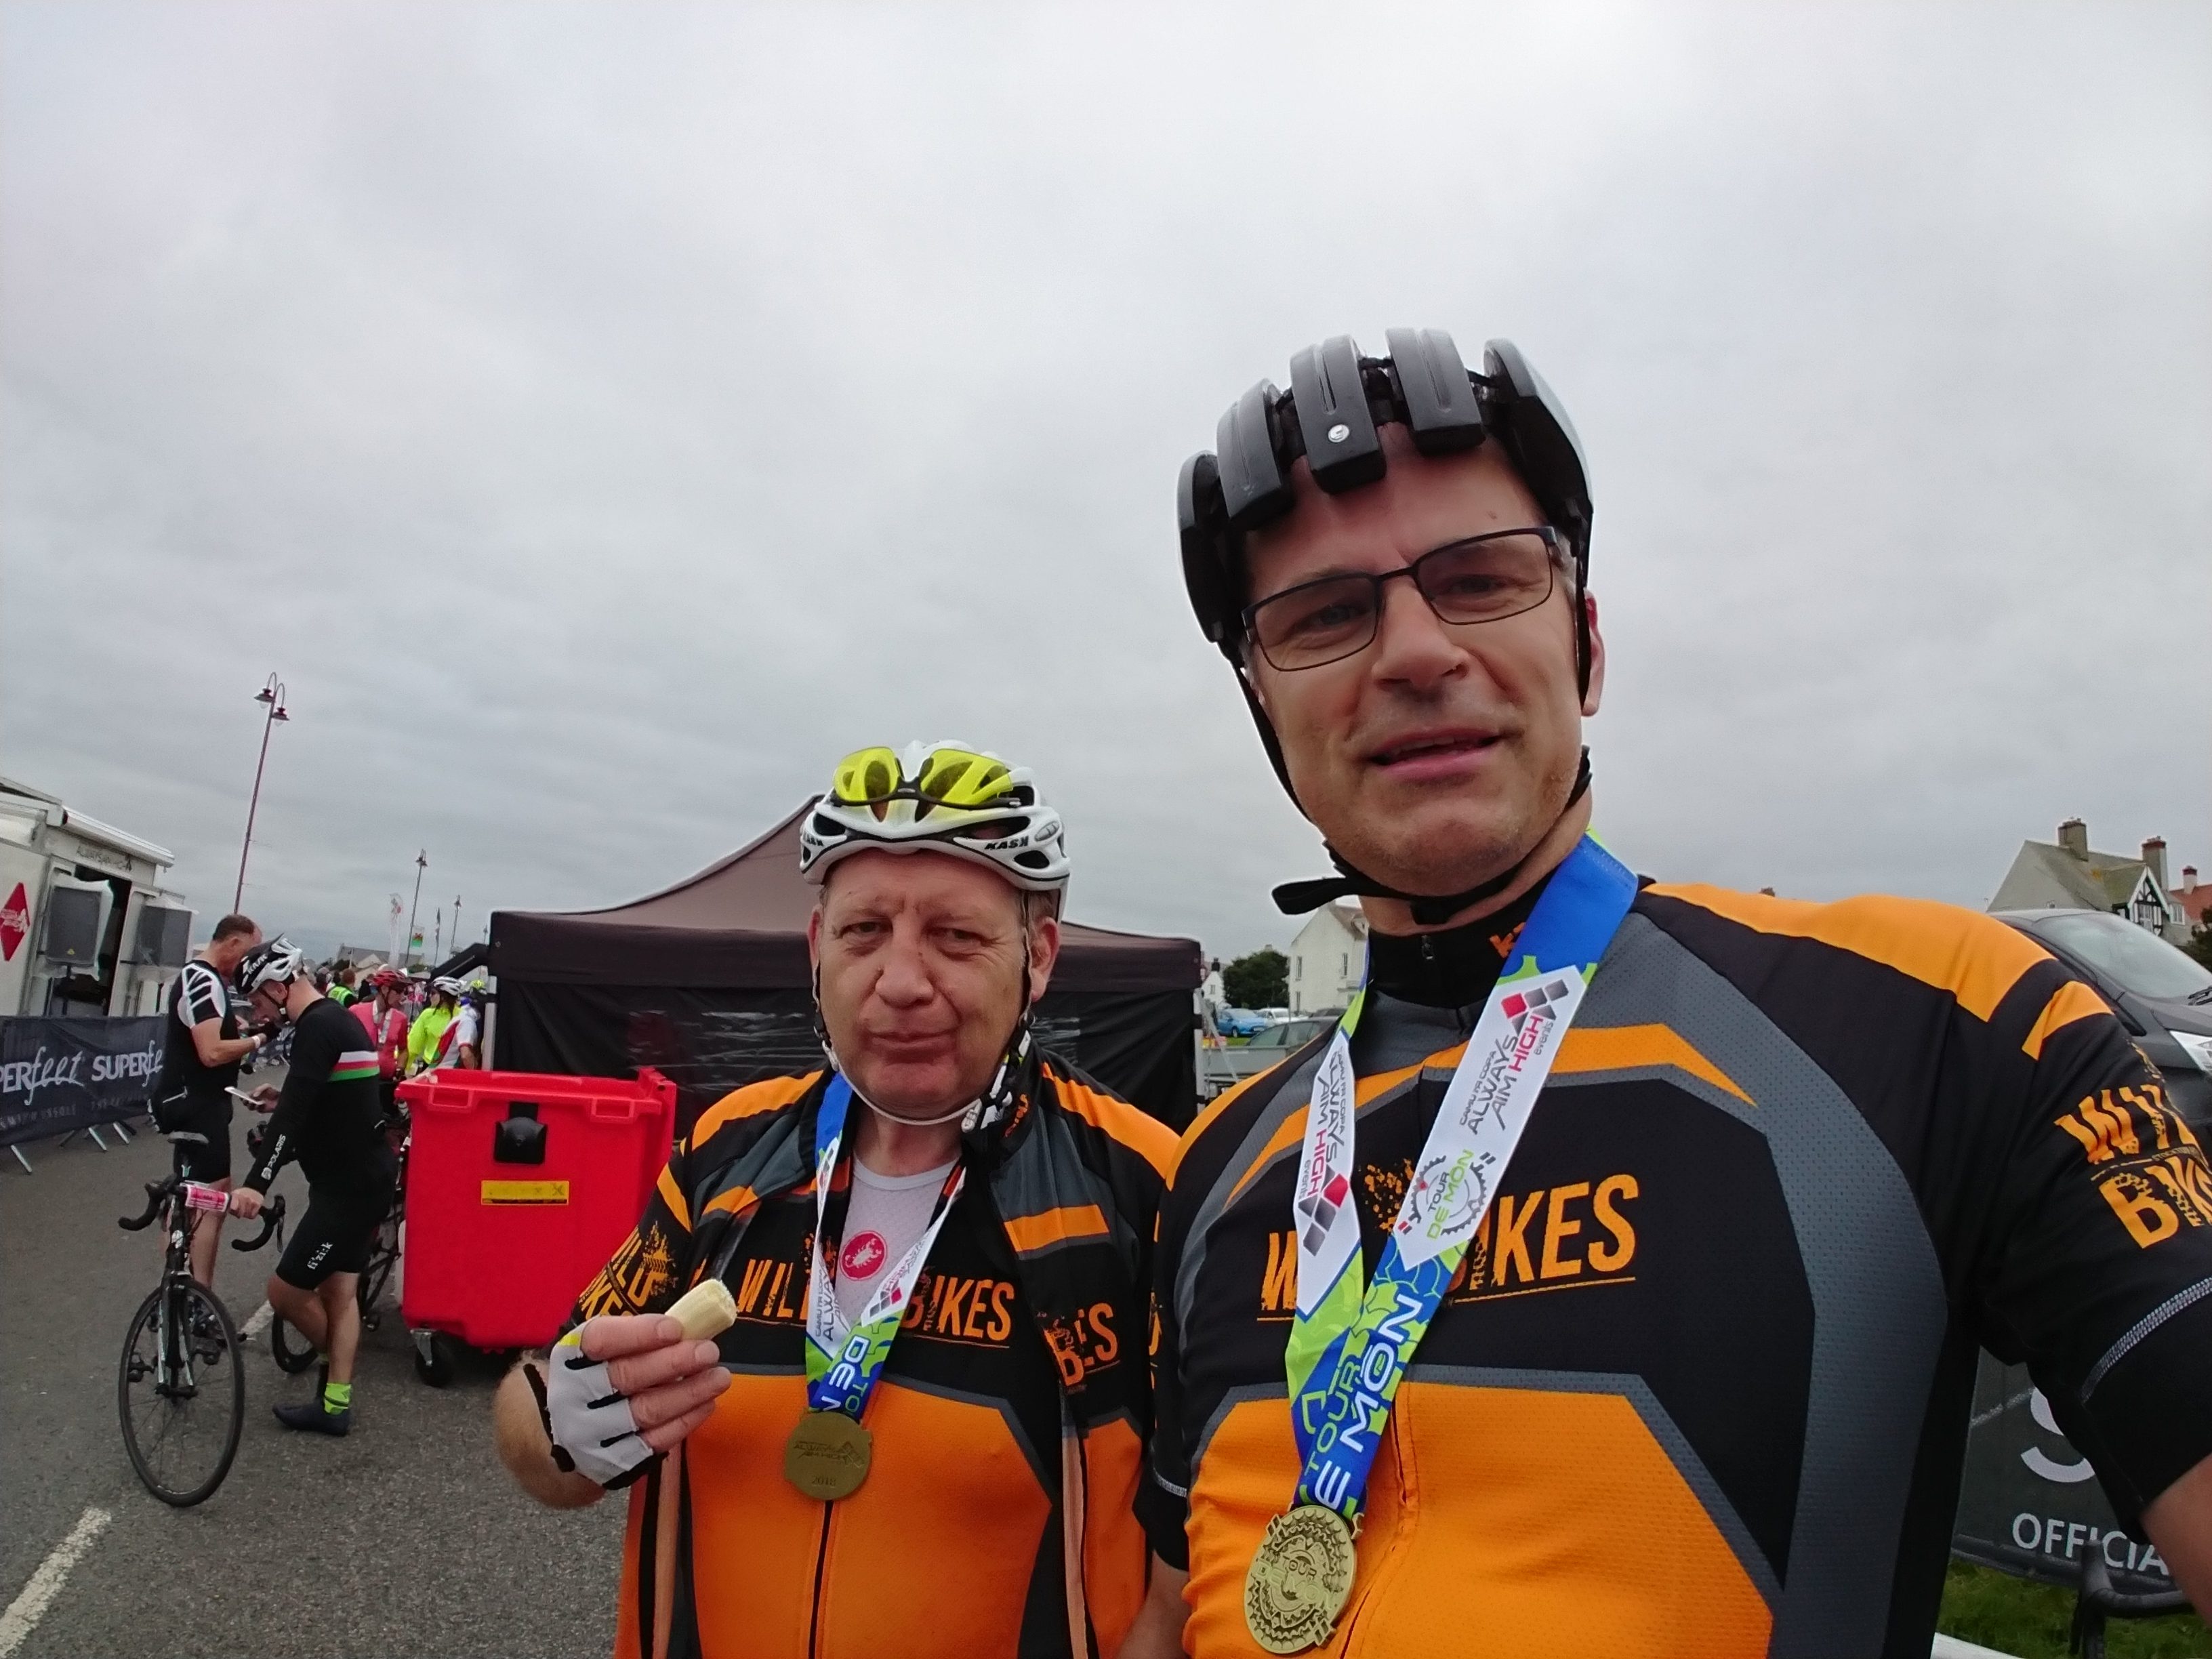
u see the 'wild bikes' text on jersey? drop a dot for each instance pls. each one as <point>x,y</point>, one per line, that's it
<point>1702,1384</point>
<point>997,1515</point>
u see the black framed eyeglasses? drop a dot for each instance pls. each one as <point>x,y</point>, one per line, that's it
<point>1482,579</point>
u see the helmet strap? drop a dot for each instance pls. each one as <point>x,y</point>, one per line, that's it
<point>1295,898</point>
<point>998,1095</point>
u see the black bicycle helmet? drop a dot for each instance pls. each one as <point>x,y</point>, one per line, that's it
<point>1331,415</point>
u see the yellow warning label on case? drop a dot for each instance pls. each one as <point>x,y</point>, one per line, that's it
<point>525,1192</point>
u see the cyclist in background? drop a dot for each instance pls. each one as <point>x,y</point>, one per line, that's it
<point>461,1043</point>
<point>331,1118</point>
<point>342,991</point>
<point>199,1066</point>
<point>431,1025</point>
<point>386,1022</point>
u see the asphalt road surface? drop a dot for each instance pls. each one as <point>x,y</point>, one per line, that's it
<point>405,1538</point>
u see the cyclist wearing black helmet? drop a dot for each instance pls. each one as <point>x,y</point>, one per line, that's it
<point>330,1117</point>
<point>1611,1280</point>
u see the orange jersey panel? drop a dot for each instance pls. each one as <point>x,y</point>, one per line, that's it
<point>1578,1537</point>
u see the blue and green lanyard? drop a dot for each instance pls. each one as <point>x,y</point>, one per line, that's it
<point>844,1359</point>
<point>1348,1352</point>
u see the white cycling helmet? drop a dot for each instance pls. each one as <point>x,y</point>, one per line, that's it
<point>278,963</point>
<point>937,798</point>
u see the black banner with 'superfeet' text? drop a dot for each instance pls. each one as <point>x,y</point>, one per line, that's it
<point>56,1075</point>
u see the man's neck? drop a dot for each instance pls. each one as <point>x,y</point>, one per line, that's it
<point>889,1147</point>
<point>1387,915</point>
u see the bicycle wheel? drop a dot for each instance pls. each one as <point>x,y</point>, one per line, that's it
<point>181,1392</point>
<point>292,1352</point>
<point>369,1289</point>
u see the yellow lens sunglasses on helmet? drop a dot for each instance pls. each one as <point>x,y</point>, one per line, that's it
<point>948,777</point>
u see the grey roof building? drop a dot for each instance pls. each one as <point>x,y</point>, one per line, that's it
<point>2068,875</point>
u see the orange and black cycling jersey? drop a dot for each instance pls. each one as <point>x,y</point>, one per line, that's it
<point>1017,1381</point>
<point>1703,1382</point>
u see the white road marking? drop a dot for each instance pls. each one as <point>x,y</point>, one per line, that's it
<point>1950,1647</point>
<point>259,1323</point>
<point>28,1609</point>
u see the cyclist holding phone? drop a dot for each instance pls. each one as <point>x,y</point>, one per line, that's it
<point>330,1116</point>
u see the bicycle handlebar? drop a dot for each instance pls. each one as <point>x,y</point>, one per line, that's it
<point>273,1213</point>
<point>156,1192</point>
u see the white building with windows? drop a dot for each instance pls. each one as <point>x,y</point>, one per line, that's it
<point>1327,958</point>
<point>2069,875</point>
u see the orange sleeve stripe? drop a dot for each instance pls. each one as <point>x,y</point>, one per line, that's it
<point>749,1102</point>
<point>1975,959</point>
<point>1623,1047</point>
<point>1128,1126</point>
<point>1289,1133</point>
<point>2072,1001</point>
<point>736,1199</point>
<point>1031,1233</point>
<point>674,1198</point>
<point>1292,1130</point>
<point>1207,1115</point>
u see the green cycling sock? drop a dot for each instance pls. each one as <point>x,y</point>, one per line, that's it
<point>338,1397</point>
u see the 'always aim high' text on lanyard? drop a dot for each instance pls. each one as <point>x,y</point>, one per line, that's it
<point>1350,1346</point>
<point>828,1454</point>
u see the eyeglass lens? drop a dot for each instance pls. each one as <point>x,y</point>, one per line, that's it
<point>1486,580</point>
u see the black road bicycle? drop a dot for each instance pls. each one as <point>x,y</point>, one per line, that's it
<point>179,1390</point>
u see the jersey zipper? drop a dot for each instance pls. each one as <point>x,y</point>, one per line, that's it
<point>1388,1560</point>
<point>820,1562</point>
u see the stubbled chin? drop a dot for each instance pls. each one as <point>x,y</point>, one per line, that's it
<point>1434,847</point>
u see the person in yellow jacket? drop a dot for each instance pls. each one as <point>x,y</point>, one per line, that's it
<point>431,1024</point>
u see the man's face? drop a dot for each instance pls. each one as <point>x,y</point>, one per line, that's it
<point>267,1003</point>
<point>918,958</point>
<point>1441,754</point>
<point>226,954</point>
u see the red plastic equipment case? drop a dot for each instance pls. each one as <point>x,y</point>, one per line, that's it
<point>521,1185</point>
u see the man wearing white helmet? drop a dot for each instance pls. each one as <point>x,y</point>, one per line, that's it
<point>429,1026</point>
<point>330,1117</point>
<point>460,1042</point>
<point>924,1430</point>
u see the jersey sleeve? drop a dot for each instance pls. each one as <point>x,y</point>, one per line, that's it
<point>316,1045</point>
<point>200,996</point>
<point>644,1275</point>
<point>1164,1496</point>
<point>2099,1269</point>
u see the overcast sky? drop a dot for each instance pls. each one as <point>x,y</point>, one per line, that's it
<point>603,418</point>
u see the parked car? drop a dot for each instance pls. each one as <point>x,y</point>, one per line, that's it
<point>1222,1068</point>
<point>2163,996</point>
<point>1239,1022</point>
<point>1286,1034</point>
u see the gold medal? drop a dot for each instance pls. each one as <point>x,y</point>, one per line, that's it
<point>1299,1579</point>
<point>827,1456</point>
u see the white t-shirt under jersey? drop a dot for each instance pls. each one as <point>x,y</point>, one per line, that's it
<point>885,1215</point>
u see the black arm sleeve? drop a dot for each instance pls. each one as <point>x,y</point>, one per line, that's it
<point>2101,1276</point>
<point>314,1053</point>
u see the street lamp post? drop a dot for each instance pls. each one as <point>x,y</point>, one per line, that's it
<point>272,696</point>
<point>421,863</point>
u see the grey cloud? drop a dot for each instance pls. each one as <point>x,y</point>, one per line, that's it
<point>604,416</point>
